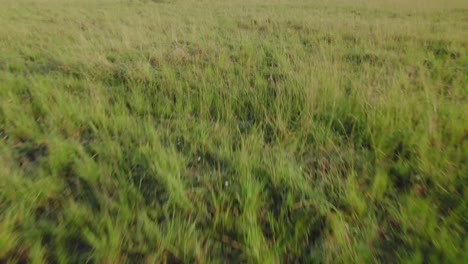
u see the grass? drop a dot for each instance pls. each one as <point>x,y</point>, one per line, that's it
<point>233,131</point>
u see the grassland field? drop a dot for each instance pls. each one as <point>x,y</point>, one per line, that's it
<point>299,131</point>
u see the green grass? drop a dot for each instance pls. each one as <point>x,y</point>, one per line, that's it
<point>233,131</point>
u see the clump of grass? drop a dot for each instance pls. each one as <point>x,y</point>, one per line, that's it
<point>190,131</point>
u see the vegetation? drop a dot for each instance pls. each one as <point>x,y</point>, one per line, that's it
<point>233,131</point>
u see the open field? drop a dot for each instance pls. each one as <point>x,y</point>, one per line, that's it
<point>209,131</point>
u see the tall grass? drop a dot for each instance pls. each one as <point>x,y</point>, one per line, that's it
<point>233,131</point>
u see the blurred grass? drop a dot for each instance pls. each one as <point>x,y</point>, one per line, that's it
<point>233,131</point>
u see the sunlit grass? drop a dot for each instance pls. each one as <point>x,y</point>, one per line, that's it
<point>233,131</point>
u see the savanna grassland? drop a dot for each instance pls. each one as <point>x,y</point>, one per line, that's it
<point>233,131</point>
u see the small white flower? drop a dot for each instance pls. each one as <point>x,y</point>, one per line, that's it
<point>226,183</point>
<point>199,158</point>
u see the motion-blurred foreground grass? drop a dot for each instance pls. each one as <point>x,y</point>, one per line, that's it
<point>233,131</point>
